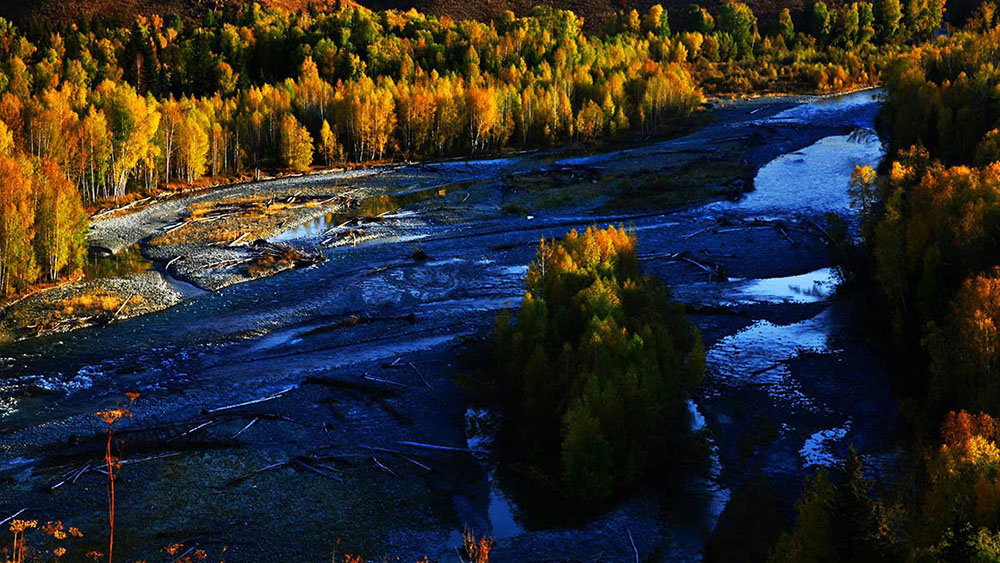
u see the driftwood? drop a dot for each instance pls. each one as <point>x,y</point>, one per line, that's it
<point>118,209</point>
<point>183,555</point>
<point>441,448</point>
<point>13,516</point>
<point>252,402</point>
<point>247,427</point>
<point>420,375</point>
<point>355,319</point>
<point>238,239</point>
<point>385,381</point>
<point>246,476</point>
<point>299,462</point>
<point>121,307</point>
<point>295,463</point>
<point>171,262</point>
<point>632,541</point>
<point>226,263</point>
<point>783,231</point>
<point>716,271</point>
<point>397,453</point>
<point>72,476</point>
<point>197,428</point>
<point>822,231</point>
<point>144,459</point>
<point>383,467</point>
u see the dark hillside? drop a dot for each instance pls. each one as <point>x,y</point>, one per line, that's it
<point>594,12</point>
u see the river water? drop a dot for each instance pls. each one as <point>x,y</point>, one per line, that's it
<point>790,384</point>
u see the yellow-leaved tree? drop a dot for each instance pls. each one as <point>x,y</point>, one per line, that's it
<point>296,144</point>
<point>17,215</point>
<point>60,221</point>
<point>133,122</point>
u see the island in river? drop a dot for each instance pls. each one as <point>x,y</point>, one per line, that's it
<point>360,356</point>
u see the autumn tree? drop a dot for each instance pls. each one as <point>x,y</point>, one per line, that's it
<point>296,144</point>
<point>329,146</point>
<point>6,140</point>
<point>132,123</point>
<point>193,142</point>
<point>60,221</point>
<point>17,216</point>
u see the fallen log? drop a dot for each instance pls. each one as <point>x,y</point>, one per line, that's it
<point>171,262</point>
<point>716,271</point>
<point>247,427</point>
<point>397,453</point>
<point>441,448</point>
<point>385,381</point>
<point>780,227</point>
<point>379,392</point>
<point>147,458</point>
<point>420,375</point>
<point>72,476</point>
<point>822,231</point>
<point>299,462</point>
<point>197,428</point>
<point>121,307</point>
<point>383,467</point>
<point>246,476</point>
<point>183,555</point>
<point>252,402</point>
<point>238,239</point>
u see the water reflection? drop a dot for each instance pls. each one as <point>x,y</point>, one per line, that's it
<point>126,262</point>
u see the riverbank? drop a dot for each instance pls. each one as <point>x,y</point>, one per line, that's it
<point>360,357</point>
<point>212,238</point>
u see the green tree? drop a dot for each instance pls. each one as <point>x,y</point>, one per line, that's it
<point>820,22</point>
<point>598,367</point>
<point>888,15</point>
<point>785,29</point>
<point>737,19</point>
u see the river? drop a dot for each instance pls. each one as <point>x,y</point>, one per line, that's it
<point>790,382</point>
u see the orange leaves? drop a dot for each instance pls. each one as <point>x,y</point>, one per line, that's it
<point>18,526</point>
<point>977,314</point>
<point>958,428</point>
<point>114,415</point>
<point>600,252</point>
<point>17,229</point>
<point>965,467</point>
<point>477,550</point>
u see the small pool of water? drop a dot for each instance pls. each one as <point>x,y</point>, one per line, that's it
<point>126,262</point>
<point>810,287</point>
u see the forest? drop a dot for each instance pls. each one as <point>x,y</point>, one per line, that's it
<point>930,230</point>
<point>123,112</point>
